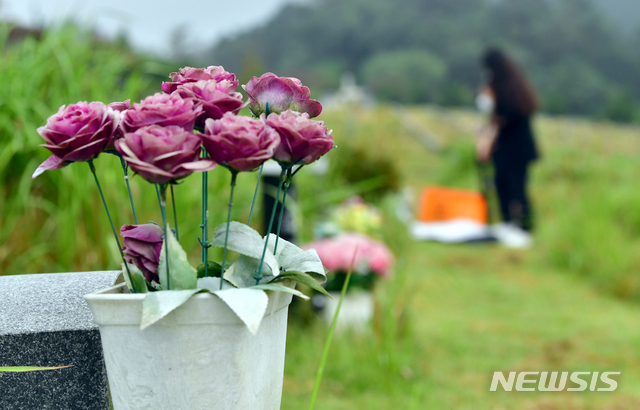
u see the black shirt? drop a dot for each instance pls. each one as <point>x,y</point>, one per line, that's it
<point>514,142</point>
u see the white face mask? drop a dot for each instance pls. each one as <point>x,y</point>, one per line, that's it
<point>485,103</point>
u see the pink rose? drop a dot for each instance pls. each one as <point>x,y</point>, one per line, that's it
<point>215,98</point>
<point>78,132</point>
<point>161,109</point>
<point>191,75</point>
<point>240,143</point>
<point>337,254</point>
<point>282,93</point>
<point>302,140</point>
<point>163,154</point>
<point>142,246</point>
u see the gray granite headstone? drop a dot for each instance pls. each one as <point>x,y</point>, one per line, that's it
<point>44,321</point>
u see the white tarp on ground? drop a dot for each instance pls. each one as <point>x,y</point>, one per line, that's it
<point>453,231</point>
<point>468,230</point>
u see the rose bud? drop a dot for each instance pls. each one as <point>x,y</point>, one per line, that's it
<point>142,246</point>
<point>215,98</point>
<point>302,140</point>
<point>191,75</point>
<point>239,143</point>
<point>161,109</point>
<point>281,93</point>
<point>163,154</point>
<point>78,132</point>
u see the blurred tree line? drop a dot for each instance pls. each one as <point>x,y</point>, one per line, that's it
<point>427,51</point>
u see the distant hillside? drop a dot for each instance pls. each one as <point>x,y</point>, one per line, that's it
<point>416,51</point>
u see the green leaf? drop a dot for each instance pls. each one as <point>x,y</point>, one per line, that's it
<point>303,278</point>
<point>245,241</point>
<point>136,276</point>
<point>182,274</point>
<point>242,271</point>
<point>292,258</point>
<point>15,369</point>
<point>157,305</point>
<point>249,304</point>
<point>280,288</point>
<point>212,284</point>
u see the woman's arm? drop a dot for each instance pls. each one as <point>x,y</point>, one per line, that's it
<point>487,134</point>
<point>485,141</point>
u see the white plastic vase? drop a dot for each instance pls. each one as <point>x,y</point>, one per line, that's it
<point>356,311</point>
<point>200,356</point>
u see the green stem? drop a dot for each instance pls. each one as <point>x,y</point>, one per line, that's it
<point>204,240</point>
<point>163,206</point>
<point>284,198</point>
<point>255,194</point>
<point>234,175</point>
<point>175,215</point>
<point>113,228</point>
<point>327,343</point>
<point>258,276</point>
<point>125,168</point>
<point>297,170</point>
<point>164,219</point>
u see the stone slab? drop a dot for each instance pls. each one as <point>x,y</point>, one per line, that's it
<point>49,301</point>
<point>44,321</point>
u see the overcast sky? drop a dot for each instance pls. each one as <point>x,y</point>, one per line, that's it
<point>148,24</point>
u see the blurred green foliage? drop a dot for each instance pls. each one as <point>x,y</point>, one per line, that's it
<point>353,164</point>
<point>404,76</point>
<point>578,60</point>
<point>56,222</point>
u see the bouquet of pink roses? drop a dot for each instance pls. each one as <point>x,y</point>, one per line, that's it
<point>193,126</point>
<point>370,260</point>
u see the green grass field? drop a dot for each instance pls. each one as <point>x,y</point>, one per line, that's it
<point>451,315</point>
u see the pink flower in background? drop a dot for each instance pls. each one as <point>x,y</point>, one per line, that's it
<point>302,140</point>
<point>337,254</point>
<point>215,98</point>
<point>163,154</point>
<point>282,93</point>
<point>142,246</point>
<point>240,143</point>
<point>191,75</point>
<point>78,132</point>
<point>380,259</point>
<point>161,109</point>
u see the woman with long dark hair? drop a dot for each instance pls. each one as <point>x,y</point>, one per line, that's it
<point>508,140</point>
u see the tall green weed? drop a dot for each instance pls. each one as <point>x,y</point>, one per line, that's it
<point>56,222</point>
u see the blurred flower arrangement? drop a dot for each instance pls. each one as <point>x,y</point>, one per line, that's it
<point>193,126</point>
<point>355,215</point>
<point>372,261</point>
<point>353,226</point>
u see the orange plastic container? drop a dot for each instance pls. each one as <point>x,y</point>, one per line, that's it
<point>439,204</point>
